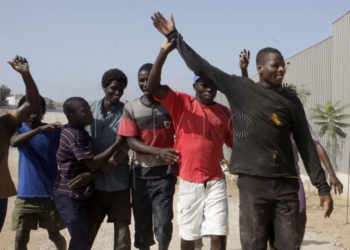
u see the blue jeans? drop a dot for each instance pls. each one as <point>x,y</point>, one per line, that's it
<point>75,215</point>
<point>3,210</point>
<point>153,199</point>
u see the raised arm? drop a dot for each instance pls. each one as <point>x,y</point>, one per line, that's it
<point>20,139</point>
<point>20,64</point>
<point>193,61</point>
<point>168,154</point>
<point>153,83</point>
<point>244,58</point>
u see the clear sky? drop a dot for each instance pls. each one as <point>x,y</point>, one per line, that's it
<point>70,44</point>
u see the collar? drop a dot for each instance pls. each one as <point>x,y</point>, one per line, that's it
<point>113,108</point>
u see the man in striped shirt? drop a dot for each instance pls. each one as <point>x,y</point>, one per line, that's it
<point>75,157</point>
<point>148,128</point>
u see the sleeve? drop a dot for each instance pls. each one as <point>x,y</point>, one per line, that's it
<point>307,150</point>
<point>313,135</point>
<point>128,126</point>
<point>203,69</point>
<point>82,146</point>
<point>174,103</point>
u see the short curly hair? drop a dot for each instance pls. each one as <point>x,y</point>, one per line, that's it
<point>262,54</point>
<point>69,105</point>
<point>114,75</point>
<point>42,103</point>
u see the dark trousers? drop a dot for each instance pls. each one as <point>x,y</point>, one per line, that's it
<point>152,201</point>
<point>269,210</point>
<point>75,215</point>
<point>3,210</point>
<point>116,205</point>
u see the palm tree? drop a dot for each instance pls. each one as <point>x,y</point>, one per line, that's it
<point>329,119</point>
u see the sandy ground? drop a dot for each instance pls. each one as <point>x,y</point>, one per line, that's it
<point>321,234</point>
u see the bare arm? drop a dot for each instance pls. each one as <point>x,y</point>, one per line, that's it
<point>20,139</point>
<point>168,154</point>
<point>99,161</point>
<point>32,93</point>
<point>194,61</point>
<point>153,83</point>
<point>85,178</point>
<point>333,180</point>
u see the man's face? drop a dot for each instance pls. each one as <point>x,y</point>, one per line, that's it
<point>114,92</point>
<point>143,79</point>
<point>206,92</point>
<point>83,114</point>
<point>36,116</point>
<point>272,70</point>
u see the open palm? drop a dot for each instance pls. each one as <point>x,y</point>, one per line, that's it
<point>161,24</point>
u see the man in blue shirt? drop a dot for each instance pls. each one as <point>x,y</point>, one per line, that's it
<point>112,195</point>
<point>37,144</point>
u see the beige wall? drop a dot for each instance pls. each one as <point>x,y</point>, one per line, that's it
<point>52,117</point>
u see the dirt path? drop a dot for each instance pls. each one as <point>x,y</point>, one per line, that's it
<point>321,234</point>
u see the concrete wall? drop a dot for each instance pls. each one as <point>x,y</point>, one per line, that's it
<point>52,117</point>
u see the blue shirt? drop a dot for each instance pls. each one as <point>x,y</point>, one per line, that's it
<point>37,165</point>
<point>103,134</point>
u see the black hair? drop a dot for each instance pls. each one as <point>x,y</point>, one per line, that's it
<point>146,67</point>
<point>114,75</point>
<point>42,103</point>
<point>261,56</point>
<point>69,105</point>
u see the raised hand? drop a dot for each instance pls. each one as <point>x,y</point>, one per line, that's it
<point>167,46</point>
<point>20,64</point>
<point>161,24</point>
<point>244,58</point>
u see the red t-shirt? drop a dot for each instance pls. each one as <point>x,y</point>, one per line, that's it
<point>201,130</point>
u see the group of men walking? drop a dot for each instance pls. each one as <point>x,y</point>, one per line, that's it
<point>172,134</point>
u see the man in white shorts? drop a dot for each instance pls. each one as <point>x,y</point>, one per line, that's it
<point>202,126</point>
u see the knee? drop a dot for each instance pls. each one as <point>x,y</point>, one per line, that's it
<point>218,241</point>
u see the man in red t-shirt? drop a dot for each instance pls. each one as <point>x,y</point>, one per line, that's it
<point>202,127</point>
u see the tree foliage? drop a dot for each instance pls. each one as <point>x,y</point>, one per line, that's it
<point>50,104</point>
<point>329,117</point>
<point>4,92</point>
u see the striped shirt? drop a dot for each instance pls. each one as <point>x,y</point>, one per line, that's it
<point>153,126</point>
<point>75,146</point>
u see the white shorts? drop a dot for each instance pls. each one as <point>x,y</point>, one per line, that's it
<point>198,204</point>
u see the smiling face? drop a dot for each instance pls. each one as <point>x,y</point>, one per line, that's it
<point>143,78</point>
<point>206,92</point>
<point>272,68</point>
<point>113,92</point>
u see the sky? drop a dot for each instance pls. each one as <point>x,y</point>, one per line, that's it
<point>70,44</point>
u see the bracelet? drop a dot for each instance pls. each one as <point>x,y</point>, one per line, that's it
<point>172,34</point>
